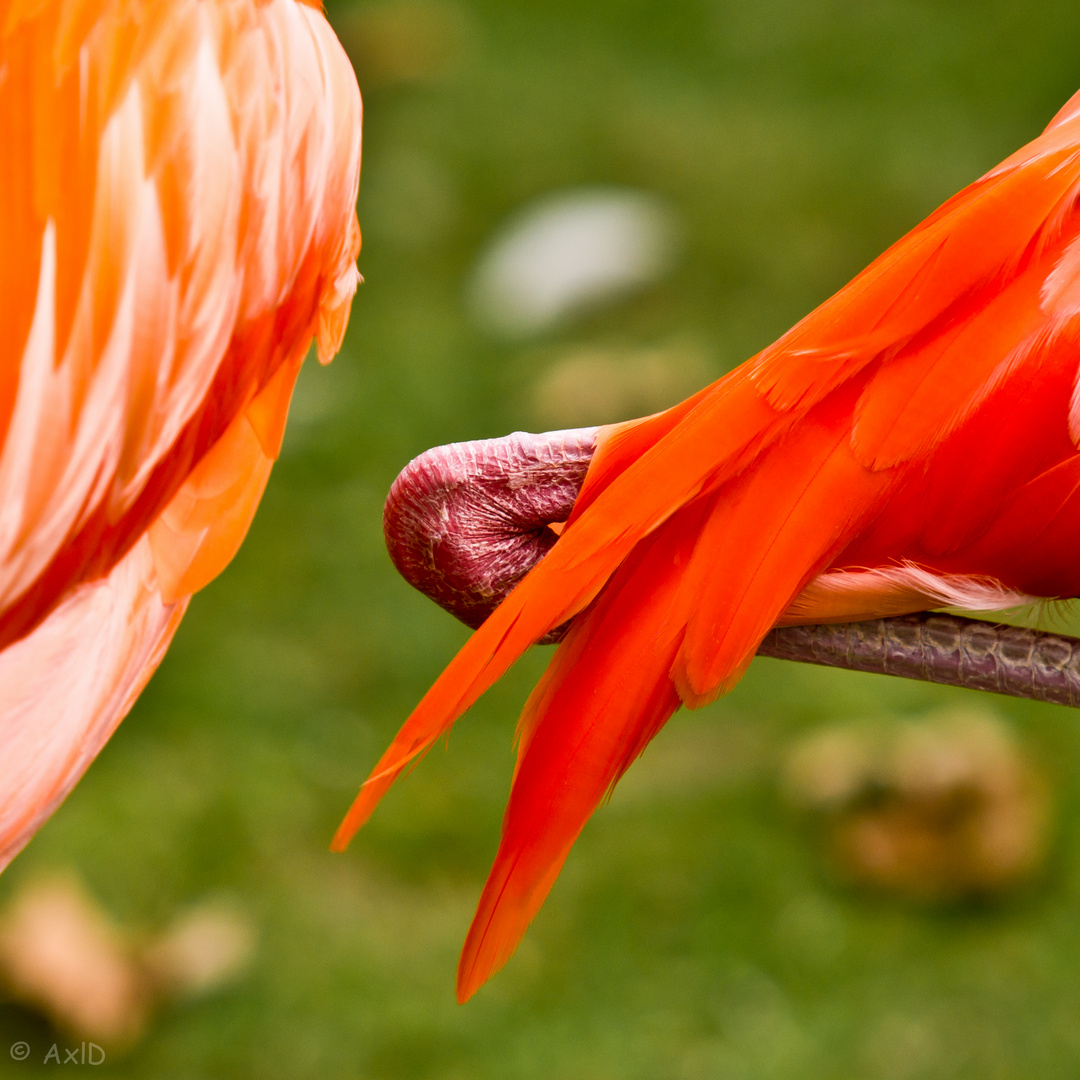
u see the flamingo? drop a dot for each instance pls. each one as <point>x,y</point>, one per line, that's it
<point>911,444</point>
<point>177,222</point>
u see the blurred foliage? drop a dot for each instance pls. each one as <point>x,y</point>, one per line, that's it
<point>693,932</point>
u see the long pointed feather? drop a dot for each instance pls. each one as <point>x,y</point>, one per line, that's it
<point>605,695</point>
<point>571,575</point>
<point>697,529</point>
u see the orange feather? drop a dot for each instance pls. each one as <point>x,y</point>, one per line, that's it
<point>177,221</point>
<point>910,443</point>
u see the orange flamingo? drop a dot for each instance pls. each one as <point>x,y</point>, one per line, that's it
<point>911,444</point>
<point>178,223</point>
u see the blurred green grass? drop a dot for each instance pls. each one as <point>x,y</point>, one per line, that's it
<point>693,932</point>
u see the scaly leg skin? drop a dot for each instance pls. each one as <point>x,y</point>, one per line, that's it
<point>465,523</point>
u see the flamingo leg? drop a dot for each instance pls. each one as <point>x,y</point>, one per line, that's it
<point>464,523</point>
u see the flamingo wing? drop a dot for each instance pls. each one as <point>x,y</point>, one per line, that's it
<point>178,224</point>
<point>803,486</point>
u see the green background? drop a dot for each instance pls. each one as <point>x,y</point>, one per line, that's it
<point>694,932</point>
